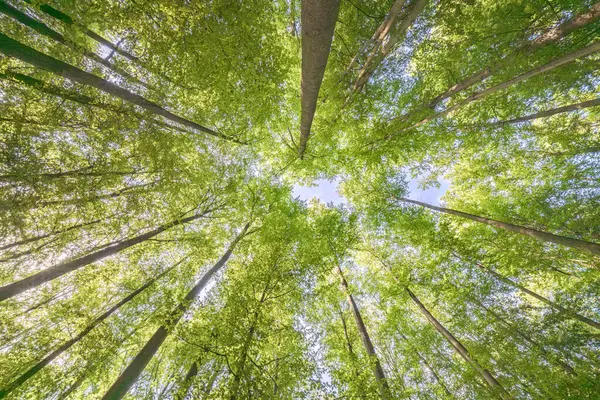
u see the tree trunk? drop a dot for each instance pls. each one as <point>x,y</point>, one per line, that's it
<point>460,349</point>
<point>384,389</point>
<point>424,361</point>
<point>590,247</point>
<point>53,12</point>
<point>551,36</point>
<point>52,34</point>
<point>137,365</point>
<point>376,57</point>
<point>40,237</point>
<point>65,346</point>
<point>549,113</point>
<point>80,99</point>
<point>552,304</point>
<point>237,376</point>
<point>513,328</point>
<point>188,380</point>
<point>31,56</point>
<point>58,270</point>
<point>557,62</point>
<point>381,32</point>
<point>318,20</point>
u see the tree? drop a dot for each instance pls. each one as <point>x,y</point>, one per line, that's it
<point>318,21</point>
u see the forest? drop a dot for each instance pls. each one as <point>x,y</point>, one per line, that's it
<point>153,244</point>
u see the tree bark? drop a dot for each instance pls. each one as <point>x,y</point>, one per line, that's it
<point>557,62</point>
<point>381,32</point>
<point>65,346</point>
<point>550,36</point>
<point>52,34</point>
<point>31,56</point>
<point>318,20</point>
<point>552,304</point>
<point>549,113</point>
<point>590,247</point>
<point>58,270</point>
<point>384,389</point>
<point>376,57</point>
<point>137,365</point>
<point>460,349</point>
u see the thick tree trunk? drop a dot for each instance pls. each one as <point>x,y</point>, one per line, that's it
<point>460,349</point>
<point>552,304</point>
<point>549,113</point>
<point>558,62</point>
<point>318,24</point>
<point>376,57</point>
<point>551,36</point>
<point>31,56</point>
<point>590,247</point>
<point>137,365</point>
<point>65,346</point>
<point>58,270</point>
<point>384,389</point>
<point>52,34</point>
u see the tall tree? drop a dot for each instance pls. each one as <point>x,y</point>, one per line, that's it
<point>593,248</point>
<point>31,56</point>
<point>318,24</point>
<point>137,365</point>
<point>58,270</point>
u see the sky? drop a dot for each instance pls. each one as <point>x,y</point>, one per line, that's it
<point>326,192</point>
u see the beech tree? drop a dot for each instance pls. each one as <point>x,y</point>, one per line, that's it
<point>393,199</point>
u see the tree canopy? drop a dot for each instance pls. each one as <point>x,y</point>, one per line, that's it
<point>152,246</point>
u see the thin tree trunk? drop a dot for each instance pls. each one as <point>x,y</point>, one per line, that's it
<point>552,304</point>
<point>549,113</point>
<point>52,34</point>
<point>130,375</point>
<point>31,56</point>
<point>53,12</point>
<point>376,57</point>
<point>513,328</point>
<point>318,20</point>
<point>460,349</point>
<point>188,380</point>
<point>424,361</point>
<point>65,346</point>
<point>557,62</point>
<point>237,376</point>
<point>79,98</point>
<point>381,32</point>
<point>58,270</point>
<point>384,389</point>
<point>551,36</point>
<point>590,247</point>
<point>40,237</point>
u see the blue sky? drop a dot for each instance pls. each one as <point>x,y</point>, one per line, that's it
<point>326,192</point>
